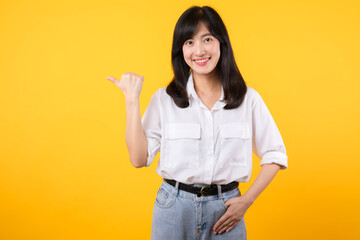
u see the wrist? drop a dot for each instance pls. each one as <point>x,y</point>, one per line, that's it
<point>132,100</point>
<point>247,199</point>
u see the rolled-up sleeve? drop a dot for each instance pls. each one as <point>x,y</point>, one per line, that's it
<point>152,127</point>
<point>267,142</point>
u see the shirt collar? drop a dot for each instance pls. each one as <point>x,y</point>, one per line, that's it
<point>192,93</point>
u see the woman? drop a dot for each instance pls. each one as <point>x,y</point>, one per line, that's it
<point>205,123</point>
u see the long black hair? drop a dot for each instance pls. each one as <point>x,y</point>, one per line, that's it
<point>233,83</point>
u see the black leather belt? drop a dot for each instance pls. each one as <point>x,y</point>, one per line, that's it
<point>203,191</point>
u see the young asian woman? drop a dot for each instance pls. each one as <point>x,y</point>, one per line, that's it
<point>206,123</point>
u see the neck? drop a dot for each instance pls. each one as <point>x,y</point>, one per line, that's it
<point>206,83</point>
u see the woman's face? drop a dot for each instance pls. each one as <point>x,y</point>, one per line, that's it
<point>202,51</point>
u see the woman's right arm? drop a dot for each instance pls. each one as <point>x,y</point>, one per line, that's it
<point>136,141</point>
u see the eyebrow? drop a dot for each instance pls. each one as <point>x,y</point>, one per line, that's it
<point>206,34</point>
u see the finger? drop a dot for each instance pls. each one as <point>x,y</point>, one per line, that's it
<point>112,79</point>
<point>225,226</point>
<point>220,222</point>
<point>227,203</point>
<point>232,226</point>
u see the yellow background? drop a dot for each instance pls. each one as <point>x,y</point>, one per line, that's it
<point>64,168</point>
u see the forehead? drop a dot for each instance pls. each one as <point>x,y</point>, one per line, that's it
<point>200,29</point>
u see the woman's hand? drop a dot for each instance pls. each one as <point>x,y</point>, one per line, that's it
<point>130,84</point>
<point>237,207</point>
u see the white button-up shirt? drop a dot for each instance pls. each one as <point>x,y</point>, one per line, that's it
<point>202,146</point>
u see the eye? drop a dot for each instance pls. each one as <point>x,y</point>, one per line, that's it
<point>188,42</point>
<point>208,39</point>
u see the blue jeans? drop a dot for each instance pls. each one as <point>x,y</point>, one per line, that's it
<point>180,215</point>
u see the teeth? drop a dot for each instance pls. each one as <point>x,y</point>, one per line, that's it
<point>202,60</point>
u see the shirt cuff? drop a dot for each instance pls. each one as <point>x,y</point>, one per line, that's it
<point>275,157</point>
<point>152,151</point>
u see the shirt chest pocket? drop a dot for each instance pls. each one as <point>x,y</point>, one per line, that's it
<point>182,145</point>
<point>235,144</point>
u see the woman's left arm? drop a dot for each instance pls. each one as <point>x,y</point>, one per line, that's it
<point>238,206</point>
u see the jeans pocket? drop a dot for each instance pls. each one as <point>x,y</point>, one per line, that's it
<point>164,199</point>
<point>228,195</point>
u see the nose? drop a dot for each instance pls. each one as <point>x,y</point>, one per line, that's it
<point>200,49</point>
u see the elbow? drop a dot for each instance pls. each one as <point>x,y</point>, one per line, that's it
<point>138,163</point>
<point>138,157</point>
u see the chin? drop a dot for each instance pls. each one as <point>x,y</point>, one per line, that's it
<point>202,72</point>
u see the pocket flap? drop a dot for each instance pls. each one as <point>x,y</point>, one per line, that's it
<point>235,130</point>
<point>182,130</point>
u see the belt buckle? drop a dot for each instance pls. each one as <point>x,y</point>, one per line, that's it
<point>201,191</point>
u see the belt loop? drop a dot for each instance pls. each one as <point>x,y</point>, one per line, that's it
<point>176,188</point>
<point>219,190</point>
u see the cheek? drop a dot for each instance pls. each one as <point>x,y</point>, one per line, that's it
<point>216,48</point>
<point>187,55</point>
<point>216,51</point>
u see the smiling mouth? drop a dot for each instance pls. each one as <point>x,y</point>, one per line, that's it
<point>201,60</point>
